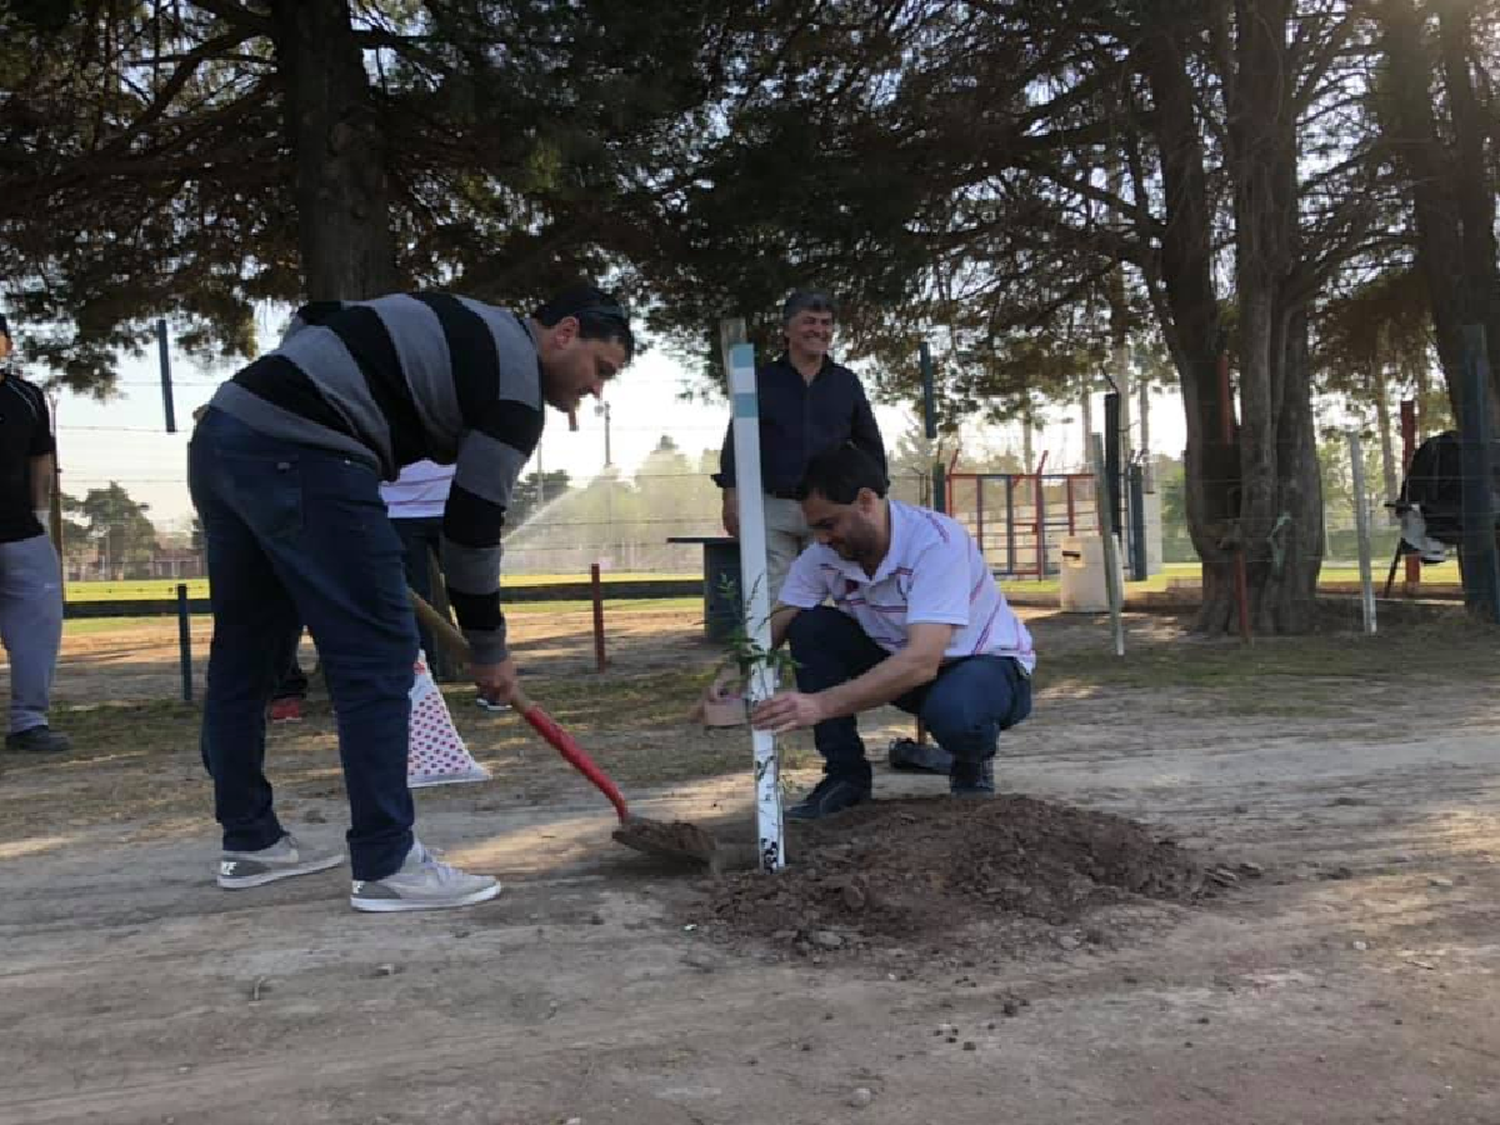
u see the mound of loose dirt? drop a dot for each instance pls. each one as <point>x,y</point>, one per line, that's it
<point>915,872</point>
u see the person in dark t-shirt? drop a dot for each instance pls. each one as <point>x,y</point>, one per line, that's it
<point>30,574</point>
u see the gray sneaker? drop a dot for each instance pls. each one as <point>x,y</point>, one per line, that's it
<point>282,860</point>
<point>423,882</point>
<point>39,740</point>
<point>972,779</point>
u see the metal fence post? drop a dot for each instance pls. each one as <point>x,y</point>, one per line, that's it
<point>1112,473</point>
<point>1138,564</point>
<point>1111,558</point>
<point>185,642</point>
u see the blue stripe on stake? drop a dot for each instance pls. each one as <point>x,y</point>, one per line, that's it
<point>742,355</point>
<point>746,406</point>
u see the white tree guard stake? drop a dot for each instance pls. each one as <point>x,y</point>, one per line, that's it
<point>755,598</point>
<point>1362,526</point>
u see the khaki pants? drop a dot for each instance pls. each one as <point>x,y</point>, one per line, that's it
<point>787,537</point>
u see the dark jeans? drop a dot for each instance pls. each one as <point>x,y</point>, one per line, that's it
<point>299,535</point>
<point>965,708</point>
<point>419,537</point>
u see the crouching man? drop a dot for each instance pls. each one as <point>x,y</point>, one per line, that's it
<point>916,620</point>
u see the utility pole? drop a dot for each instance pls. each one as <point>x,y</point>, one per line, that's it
<point>603,410</point>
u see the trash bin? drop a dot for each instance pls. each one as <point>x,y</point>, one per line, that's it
<point>1083,588</point>
<point>721,563</point>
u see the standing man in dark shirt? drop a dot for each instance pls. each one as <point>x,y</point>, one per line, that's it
<point>30,576</point>
<point>808,404</point>
<point>285,468</point>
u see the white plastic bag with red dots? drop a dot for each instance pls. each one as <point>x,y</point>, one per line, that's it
<point>436,754</point>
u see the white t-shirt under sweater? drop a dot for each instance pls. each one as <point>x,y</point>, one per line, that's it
<point>419,492</point>
<point>932,574</point>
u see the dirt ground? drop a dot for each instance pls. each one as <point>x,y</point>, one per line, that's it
<point>1344,970</point>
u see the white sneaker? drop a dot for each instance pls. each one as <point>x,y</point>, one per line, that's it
<point>282,860</point>
<point>423,882</point>
<point>470,773</point>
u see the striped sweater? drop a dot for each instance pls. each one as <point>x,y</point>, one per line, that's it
<point>396,379</point>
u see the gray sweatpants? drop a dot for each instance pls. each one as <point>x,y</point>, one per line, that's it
<point>31,613</point>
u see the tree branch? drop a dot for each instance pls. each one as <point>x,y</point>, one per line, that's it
<point>1099,195</point>
<point>241,17</point>
<point>377,37</point>
<point>174,85</point>
<point>1322,60</point>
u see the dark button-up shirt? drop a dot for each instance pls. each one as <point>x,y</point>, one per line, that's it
<point>25,433</point>
<point>800,419</point>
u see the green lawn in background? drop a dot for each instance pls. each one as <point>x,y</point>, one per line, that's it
<point>157,588</point>
<point>690,607</point>
<point>166,588</point>
<point>1191,573</point>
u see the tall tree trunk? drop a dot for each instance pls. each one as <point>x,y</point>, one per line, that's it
<point>1452,189</point>
<point>1410,124</point>
<point>343,193</point>
<point>1188,309</point>
<point>1281,526</point>
<point>1473,187</point>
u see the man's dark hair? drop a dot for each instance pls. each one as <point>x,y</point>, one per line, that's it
<point>839,473</point>
<point>600,316</point>
<point>807,300</point>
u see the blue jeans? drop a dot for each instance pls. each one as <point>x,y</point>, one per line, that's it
<point>419,538</point>
<point>299,535</point>
<point>965,708</point>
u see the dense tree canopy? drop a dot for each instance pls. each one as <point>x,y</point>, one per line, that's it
<point>191,159</point>
<point>1037,189</point>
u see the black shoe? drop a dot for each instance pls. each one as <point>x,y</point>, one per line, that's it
<point>910,756</point>
<point>829,796</point>
<point>972,779</point>
<point>39,740</point>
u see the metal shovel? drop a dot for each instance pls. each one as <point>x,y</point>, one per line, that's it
<point>676,839</point>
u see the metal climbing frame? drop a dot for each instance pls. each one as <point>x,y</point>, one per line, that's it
<point>1020,519</point>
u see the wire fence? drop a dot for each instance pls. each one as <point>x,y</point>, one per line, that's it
<point>624,521</point>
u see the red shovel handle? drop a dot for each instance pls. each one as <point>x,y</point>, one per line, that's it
<point>564,744</point>
<point>540,721</point>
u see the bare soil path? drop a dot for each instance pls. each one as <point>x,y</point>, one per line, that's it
<point>1353,980</point>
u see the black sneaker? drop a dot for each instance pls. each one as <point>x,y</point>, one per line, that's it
<point>39,740</point>
<point>972,779</point>
<point>829,796</point>
<point>910,756</point>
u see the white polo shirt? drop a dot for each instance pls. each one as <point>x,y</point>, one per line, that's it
<point>932,574</point>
